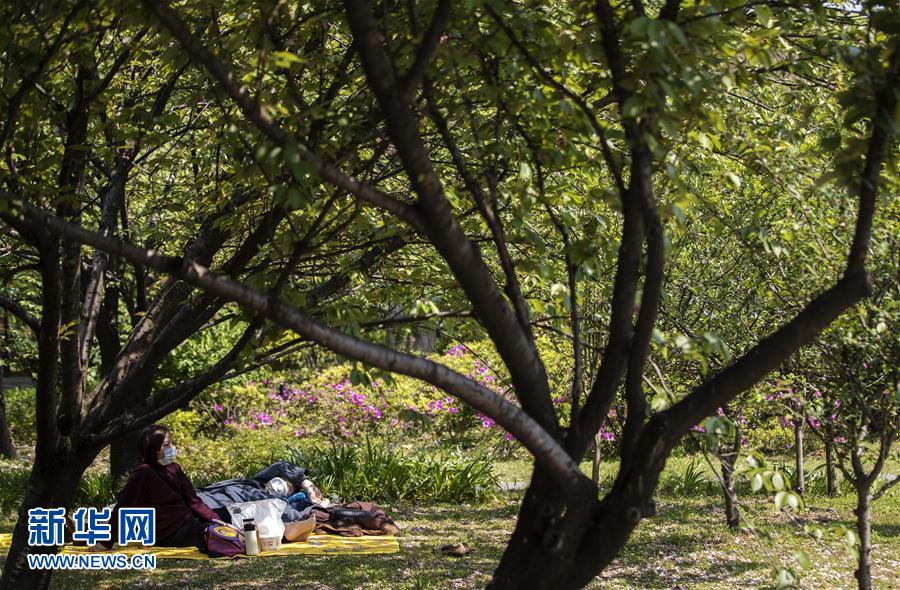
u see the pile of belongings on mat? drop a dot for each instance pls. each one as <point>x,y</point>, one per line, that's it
<point>290,483</point>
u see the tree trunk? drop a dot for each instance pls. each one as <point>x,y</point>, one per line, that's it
<point>863,572</point>
<point>563,541</point>
<point>6,447</point>
<point>543,547</point>
<point>123,455</point>
<point>51,484</point>
<point>798,443</point>
<point>830,475</point>
<point>729,482</point>
<point>595,468</point>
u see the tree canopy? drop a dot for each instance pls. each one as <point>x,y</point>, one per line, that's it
<point>692,186</point>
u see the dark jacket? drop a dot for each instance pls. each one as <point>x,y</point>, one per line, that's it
<point>165,488</point>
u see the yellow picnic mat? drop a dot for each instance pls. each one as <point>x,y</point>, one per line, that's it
<point>315,545</point>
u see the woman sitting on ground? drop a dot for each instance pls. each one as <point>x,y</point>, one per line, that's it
<point>160,483</point>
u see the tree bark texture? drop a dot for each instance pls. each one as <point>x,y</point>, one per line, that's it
<point>799,474</point>
<point>863,573</point>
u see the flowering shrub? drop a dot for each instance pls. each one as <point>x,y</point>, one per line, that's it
<point>334,404</point>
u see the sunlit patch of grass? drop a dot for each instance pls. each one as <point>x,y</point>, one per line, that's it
<point>686,545</point>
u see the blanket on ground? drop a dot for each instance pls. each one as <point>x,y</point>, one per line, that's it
<point>317,544</point>
<point>374,522</point>
<point>222,494</point>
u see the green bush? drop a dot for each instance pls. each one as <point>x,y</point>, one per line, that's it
<point>693,481</point>
<point>12,488</point>
<point>95,489</point>
<point>20,414</point>
<point>378,472</point>
<point>816,481</point>
<point>769,435</point>
<point>238,453</point>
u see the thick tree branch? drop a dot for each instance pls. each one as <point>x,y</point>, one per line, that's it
<point>548,453</point>
<point>442,229</point>
<point>69,206</point>
<point>635,200</point>
<point>93,297</point>
<point>883,122</point>
<point>650,296</point>
<point>825,308</point>
<point>15,308</point>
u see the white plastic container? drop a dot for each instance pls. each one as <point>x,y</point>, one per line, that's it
<point>269,543</point>
<point>251,543</point>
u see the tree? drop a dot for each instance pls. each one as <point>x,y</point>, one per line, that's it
<point>93,125</point>
<point>6,446</point>
<point>860,402</point>
<point>502,152</point>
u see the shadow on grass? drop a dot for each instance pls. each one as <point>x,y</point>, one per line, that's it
<point>886,530</point>
<point>676,576</point>
<point>410,568</point>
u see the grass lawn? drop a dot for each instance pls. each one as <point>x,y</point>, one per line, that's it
<point>684,546</point>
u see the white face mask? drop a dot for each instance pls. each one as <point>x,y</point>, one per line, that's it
<point>279,487</point>
<point>168,456</point>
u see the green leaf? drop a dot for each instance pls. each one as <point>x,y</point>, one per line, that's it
<point>763,14</point>
<point>781,499</point>
<point>524,172</point>
<point>777,481</point>
<point>632,107</point>
<point>756,482</point>
<point>284,59</point>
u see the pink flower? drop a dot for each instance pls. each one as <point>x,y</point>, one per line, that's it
<point>217,407</point>
<point>840,440</point>
<point>458,350</point>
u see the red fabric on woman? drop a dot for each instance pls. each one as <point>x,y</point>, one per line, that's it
<point>165,488</point>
